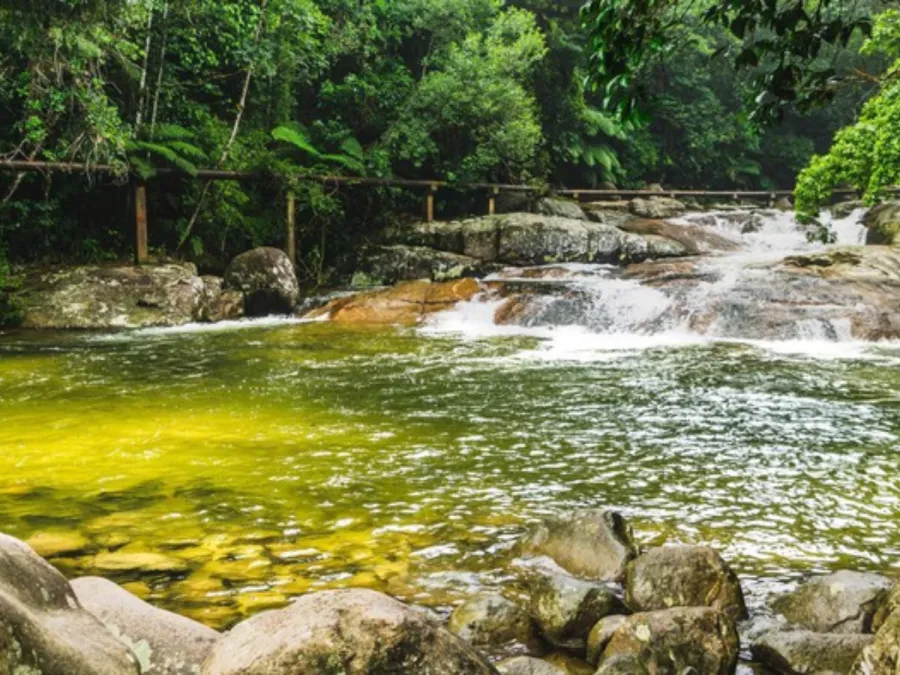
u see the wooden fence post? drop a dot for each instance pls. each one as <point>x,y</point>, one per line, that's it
<point>140,217</point>
<point>492,201</point>
<point>429,203</point>
<point>291,240</point>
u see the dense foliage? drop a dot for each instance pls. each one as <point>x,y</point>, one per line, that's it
<point>866,155</point>
<point>458,90</point>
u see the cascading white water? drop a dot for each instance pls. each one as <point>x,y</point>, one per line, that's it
<point>717,296</point>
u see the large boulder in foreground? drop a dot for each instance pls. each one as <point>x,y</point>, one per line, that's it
<point>803,652</point>
<point>683,576</point>
<point>267,279</point>
<point>43,629</point>
<point>352,632</point>
<point>405,304</point>
<point>673,641</point>
<point>882,657</point>
<point>843,602</point>
<point>566,608</point>
<point>492,621</point>
<point>104,297</point>
<point>164,643</point>
<point>590,543</point>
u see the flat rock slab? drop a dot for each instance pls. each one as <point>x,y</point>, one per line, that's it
<point>164,643</point>
<point>351,632</point>
<point>843,602</point>
<point>43,628</point>
<point>806,653</point>
<point>526,665</point>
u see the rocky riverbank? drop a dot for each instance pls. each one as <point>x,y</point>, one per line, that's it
<point>595,602</point>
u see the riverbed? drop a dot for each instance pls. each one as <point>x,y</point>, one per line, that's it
<point>220,470</point>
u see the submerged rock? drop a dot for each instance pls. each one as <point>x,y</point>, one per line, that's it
<point>844,602</point>
<point>406,304</point>
<point>527,665</point>
<point>807,653</point>
<point>353,632</point>
<point>164,643</point>
<point>562,208</point>
<point>98,297</point>
<point>492,621</point>
<point>673,641</point>
<point>683,576</point>
<point>385,265</point>
<point>594,544</point>
<point>657,208</point>
<point>54,544</point>
<point>43,629</point>
<point>127,560</point>
<point>267,279</point>
<point>566,608</point>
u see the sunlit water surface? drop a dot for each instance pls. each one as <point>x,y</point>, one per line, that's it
<point>264,462</point>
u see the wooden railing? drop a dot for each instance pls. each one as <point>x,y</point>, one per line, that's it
<point>430,187</point>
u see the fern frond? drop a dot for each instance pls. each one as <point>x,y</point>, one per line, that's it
<point>188,150</point>
<point>173,132</point>
<point>297,138</point>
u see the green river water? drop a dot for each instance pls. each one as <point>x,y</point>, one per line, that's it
<point>220,472</point>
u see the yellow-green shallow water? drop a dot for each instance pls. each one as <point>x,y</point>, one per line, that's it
<point>219,472</point>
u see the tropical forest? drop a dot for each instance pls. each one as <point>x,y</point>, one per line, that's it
<point>449,337</point>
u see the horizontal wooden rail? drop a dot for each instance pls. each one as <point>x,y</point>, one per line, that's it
<point>429,186</point>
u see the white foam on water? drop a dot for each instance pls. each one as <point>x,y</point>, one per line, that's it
<point>221,326</point>
<point>623,315</point>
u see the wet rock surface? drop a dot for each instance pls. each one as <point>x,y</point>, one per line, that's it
<point>527,665</point>
<point>492,622</point>
<point>844,602</point>
<point>807,653</point>
<point>103,297</point>
<point>594,544</point>
<point>676,641</point>
<point>164,643</point>
<point>882,656</point>
<point>267,280</point>
<point>657,208</point>
<point>43,628</point>
<point>565,609</point>
<point>406,304</point>
<point>683,576</point>
<point>385,265</point>
<point>356,632</point>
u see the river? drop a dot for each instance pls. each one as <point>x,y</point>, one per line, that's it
<point>220,470</point>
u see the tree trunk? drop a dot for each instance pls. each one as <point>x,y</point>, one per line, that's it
<point>234,129</point>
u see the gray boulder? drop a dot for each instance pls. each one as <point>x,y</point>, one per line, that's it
<point>267,279</point>
<point>806,653</point>
<point>220,304</point>
<point>844,602</point>
<point>527,665</point>
<point>888,607</point>
<point>601,634</point>
<point>561,208</point>
<point>352,632</point>
<point>683,576</point>
<point>43,629</point>
<point>883,224</point>
<point>566,609</point>
<point>673,641</point>
<point>100,297</point>
<point>844,209</point>
<point>492,621</point>
<point>590,543</point>
<point>387,265</point>
<point>657,208</point>
<point>164,643</point>
<point>882,657</point>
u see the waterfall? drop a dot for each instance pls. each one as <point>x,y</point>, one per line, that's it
<point>746,293</point>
